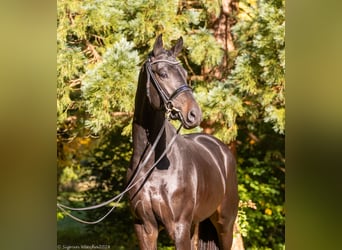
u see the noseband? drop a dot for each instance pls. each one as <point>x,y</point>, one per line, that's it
<point>167,99</point>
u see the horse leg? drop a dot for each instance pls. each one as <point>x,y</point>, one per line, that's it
<point>180,233</point>
<point>147,234</point>
<point>223,220</point>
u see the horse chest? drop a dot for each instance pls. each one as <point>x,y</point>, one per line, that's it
<point>164,194</point>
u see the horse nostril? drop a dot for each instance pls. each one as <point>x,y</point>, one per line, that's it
<point>191,116</point>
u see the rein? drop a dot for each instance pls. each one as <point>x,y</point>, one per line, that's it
<point>130,185</point>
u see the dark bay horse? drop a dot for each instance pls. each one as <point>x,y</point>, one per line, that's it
<point>185,183</point>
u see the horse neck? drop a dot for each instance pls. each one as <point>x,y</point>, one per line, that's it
<point>145,133</point>
<point>147,122</point>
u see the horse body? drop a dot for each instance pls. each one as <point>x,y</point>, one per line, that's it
<point>193,181</point>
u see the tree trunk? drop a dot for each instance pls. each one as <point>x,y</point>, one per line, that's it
<point>237,240</point>
<point>221,26</point>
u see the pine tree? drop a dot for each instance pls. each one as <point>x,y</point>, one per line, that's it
<point>259,73</point>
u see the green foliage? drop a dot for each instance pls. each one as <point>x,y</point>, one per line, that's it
<point>106,167</point>
<point>147,18</point>
<point>100,47</point>
<point>262,180</point>
<point>203,49</point>
<point>221,105</point>
<point>108,164</point>
<point>243,222</point>
<point>110,86</point>
<point>259,72</point>
<point>211,7</point>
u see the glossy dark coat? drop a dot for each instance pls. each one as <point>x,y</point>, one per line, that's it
<point>195,180</point>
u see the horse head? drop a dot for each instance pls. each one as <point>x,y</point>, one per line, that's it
<point>169,89</point>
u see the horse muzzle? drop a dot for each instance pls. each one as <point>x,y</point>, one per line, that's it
<point>190,119</point>
<point>193,118</point>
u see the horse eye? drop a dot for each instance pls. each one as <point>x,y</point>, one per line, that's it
<point>163,75</point>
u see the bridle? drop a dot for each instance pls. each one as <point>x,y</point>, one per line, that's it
<point>171,110</point>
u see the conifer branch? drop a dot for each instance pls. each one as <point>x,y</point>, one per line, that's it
<point>91,52</point>
<point>187,64</point>
<point>116,114</point>
<point>70,17</point>
<point>75,82</point>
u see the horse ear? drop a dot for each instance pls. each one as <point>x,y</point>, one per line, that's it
<point>158,46</point>
<point>178,47</point>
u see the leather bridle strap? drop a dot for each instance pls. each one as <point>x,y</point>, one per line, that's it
<point>161,92</point>
<point>166,98</point>
<point>181,89</point>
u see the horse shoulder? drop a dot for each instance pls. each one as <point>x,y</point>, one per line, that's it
<point>204,142</point>
<point>211,155</point>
